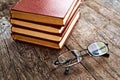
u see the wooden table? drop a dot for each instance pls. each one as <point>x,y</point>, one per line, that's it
<point>100,21</point>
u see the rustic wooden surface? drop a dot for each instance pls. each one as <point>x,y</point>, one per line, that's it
<point>100,21</point>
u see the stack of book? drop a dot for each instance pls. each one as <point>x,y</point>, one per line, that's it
<point>44,22</point>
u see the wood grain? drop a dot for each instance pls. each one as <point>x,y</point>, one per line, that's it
<point>99,22</point>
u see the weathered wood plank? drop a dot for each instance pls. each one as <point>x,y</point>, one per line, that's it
<point>1,68</point>
<point>113,5</point>
<point>7,65</point>
<point>91,36</point>
<point>25,63</point>
<point>96,70</point>
<point>107,13</point>
<point>99,22</point>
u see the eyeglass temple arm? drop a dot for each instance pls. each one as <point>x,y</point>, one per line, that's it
<point>106,44</point>
<point>106,55</point>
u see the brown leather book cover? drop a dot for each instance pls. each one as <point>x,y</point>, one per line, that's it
<point>46,11</point>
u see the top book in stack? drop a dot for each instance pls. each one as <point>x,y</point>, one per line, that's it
<point>54,12</point>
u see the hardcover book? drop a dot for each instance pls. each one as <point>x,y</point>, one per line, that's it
<point>53,29</point>
<point>46,43</point>
<point>44,11</point>
<point>44,35</point>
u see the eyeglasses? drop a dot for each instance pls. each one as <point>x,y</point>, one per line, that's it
<point>4,24</point>
<point>73,57</point>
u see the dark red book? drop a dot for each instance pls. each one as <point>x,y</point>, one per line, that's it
<point>45,11</point>
<point>43,35</point>
<point>52,29</point>
<point>44,42</point>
